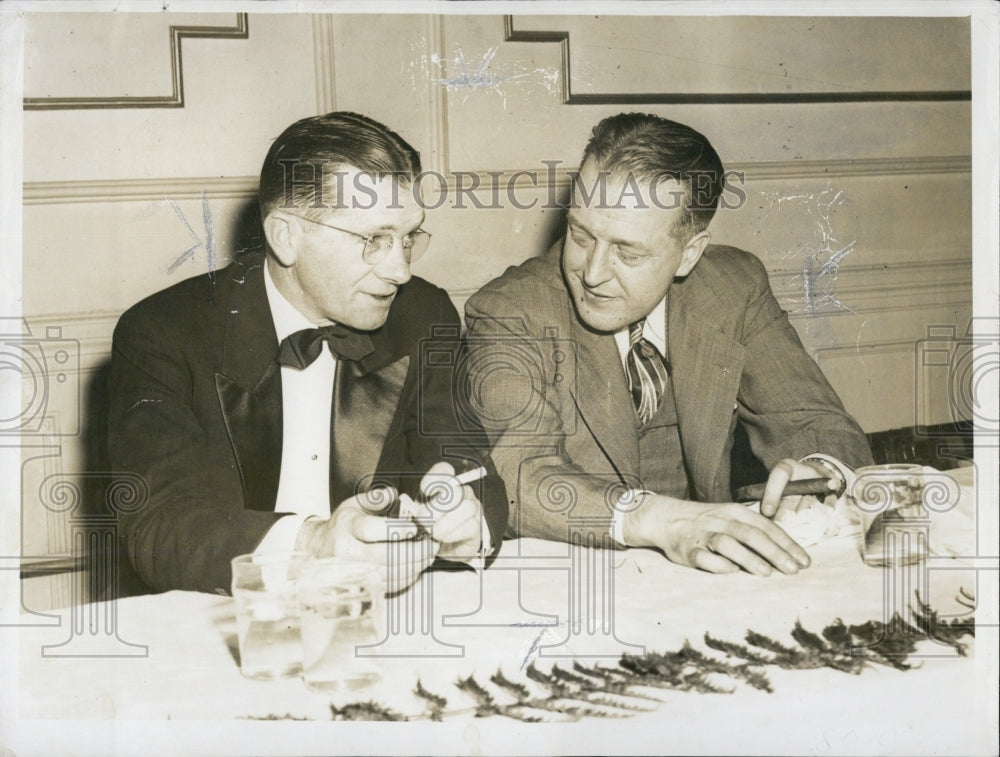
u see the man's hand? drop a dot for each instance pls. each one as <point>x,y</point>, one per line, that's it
<point>719,538</point>
<point>772,504</point>
<point>457,514</point>
<point>353,532</point>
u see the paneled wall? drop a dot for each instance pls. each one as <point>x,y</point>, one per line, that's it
<point>849,140</point>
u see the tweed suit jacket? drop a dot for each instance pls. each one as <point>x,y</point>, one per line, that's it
<point>552,393</point>
<point>196,411</point>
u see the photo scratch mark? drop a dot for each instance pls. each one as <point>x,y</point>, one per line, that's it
<point>820,255</point>
<point>532,649</point>
<point>479,72</point>
<point>143,402</point>
<point>208,243</point>
<point>468,79</point>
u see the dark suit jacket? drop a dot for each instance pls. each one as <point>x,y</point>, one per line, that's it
<point>195,394</point>
<point>552,394</point>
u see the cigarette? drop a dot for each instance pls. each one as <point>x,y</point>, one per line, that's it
<point>471,475</point>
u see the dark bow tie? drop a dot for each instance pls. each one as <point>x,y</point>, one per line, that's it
<point>300,349</point>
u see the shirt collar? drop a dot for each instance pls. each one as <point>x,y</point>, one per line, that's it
<point>653,330</point>
<point>287,320</point>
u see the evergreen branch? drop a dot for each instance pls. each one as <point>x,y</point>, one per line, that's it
<point>435,703</point>
<point>784,656</point>
<point>737,650</point>
<point>609,692</point>
<point>519,690</point>
<point>553,684</point>
<point>365,711</point>
<point>830,657</point>
<point>611,681</point>
<point>485,706</point>
<point>839,637</point>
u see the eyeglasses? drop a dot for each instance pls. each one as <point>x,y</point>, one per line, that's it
<point>377,246</point>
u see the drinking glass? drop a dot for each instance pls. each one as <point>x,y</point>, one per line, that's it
<point>267,614</point>
<point>341,605</point>
<point>895,525</point>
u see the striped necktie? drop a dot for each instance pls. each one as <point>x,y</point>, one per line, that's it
<point>647,373</point>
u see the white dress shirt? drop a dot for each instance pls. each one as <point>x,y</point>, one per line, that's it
<point>306,402</point>
<point>653,331</point>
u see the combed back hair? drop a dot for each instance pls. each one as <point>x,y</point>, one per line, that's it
<point>651,148</point>
<point>321,146</point>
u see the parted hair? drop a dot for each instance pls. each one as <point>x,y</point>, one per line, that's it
<point>652,148</point>
<point>300,168</point>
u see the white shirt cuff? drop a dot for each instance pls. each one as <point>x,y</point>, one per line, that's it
<point>628,501</point>
<point>281,537</point>
<point>828,462</point>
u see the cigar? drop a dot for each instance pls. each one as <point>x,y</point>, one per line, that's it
<point>817,486</point>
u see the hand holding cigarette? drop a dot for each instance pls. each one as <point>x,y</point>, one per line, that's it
<point>451,508</point>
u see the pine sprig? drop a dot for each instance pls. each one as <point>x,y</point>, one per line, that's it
<point>745,673</point>
<point>593,690</point>
<point>786,657</point>
<point>601,691</point>
<point>485,705</point>
<point>518,690</point>
<point>737,650</point>
<point>887,643</point>
<point>824,652</point>
<point>435,704</point>
<point>558,689</point>
<point>365,711</point>
<point>613,681</point>
<point>941,630</point>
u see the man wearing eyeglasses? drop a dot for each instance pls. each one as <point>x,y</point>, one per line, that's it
<point>279,403</point>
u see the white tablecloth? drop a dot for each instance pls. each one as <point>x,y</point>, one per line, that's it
<point>183,673</point>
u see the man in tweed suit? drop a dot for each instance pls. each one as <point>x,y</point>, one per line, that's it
<point>611,371</point>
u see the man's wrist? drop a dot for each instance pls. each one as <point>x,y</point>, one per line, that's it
<point>305,540</point>
<point>833,468</point>
<point>625,510</point>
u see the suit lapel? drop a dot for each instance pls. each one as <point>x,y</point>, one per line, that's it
<point>707,364</point>
<point>249,384</point>
<point>602,398</point>
<point>366,397</point>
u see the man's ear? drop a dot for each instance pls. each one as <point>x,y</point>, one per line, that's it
<point>692,252</point>
<point>283,234</point>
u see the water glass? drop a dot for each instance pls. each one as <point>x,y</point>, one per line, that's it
<point>267,614</point>
<point>895,525</point>
<point>341,605</point>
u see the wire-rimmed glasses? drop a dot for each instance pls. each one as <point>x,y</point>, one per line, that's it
<point>377,246</point>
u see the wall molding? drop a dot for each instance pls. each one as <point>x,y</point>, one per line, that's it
<point>244,187</point>
<point>878,288</point>
<point>868,289</point>
<point>175,99</point>
<point>323,59</point>
<point>562,38</point>
<point>854,350</point>
<point>91,331</point>
<point>139,190</point>
<point>437,101</point>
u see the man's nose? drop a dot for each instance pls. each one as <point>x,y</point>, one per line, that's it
<point>395,266</point>
<point>598,268</point>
